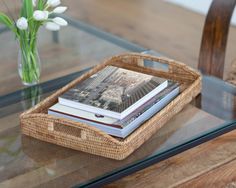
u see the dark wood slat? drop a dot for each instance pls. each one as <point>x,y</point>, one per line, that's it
<point>214,38</point>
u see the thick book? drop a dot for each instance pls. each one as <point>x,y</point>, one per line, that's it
<point>113,92</point>
<point>116,127</point>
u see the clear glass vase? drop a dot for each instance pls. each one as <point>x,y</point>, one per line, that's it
<point>29,65</point>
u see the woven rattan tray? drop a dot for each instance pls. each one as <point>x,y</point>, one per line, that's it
<point>38,124</point>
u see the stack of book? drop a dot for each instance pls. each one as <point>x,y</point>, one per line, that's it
<point>115,100</point>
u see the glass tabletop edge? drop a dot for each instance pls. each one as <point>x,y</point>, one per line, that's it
<point>140,165</point>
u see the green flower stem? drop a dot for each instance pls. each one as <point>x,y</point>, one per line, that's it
<point>30,70</point>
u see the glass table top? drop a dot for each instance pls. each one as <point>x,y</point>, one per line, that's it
<point>25,161</point>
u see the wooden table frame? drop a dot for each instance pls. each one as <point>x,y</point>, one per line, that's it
<point>214,37</point>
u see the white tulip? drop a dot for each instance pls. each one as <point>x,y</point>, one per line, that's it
<point>60,21</point>
<point>22,23</point>
<point>59,10</point>
<point>52,26</point>
<point>34,3</point>
<point>40,15</point>
<point>53,3</point>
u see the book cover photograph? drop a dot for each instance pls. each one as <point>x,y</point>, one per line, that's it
<point>113,89</point>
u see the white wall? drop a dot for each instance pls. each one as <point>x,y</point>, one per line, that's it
<point>199,6</point>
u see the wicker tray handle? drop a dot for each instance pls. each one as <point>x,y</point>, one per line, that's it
<point>176,70</point>
<point>64,127</point>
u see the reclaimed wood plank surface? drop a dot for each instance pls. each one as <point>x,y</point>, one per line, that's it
<point>223,176</point>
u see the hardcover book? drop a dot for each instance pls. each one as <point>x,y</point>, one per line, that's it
<point>117,127</point>
<point>113,92</point>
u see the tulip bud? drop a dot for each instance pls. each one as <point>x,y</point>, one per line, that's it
<point>22,23</point>
<point>53,3</point>
<point>59,10</point>
<point>52,26</point>
<point>60,21</point>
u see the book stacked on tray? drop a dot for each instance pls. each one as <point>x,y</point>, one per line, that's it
<point>115,100</point>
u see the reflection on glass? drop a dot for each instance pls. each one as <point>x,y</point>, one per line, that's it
<point>33,96</point>
<point>10,151</point>
<point>216,93</point>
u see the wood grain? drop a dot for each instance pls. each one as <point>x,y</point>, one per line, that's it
<point>214,38</point>
<point>224,176</point>
<point>186,166</point>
